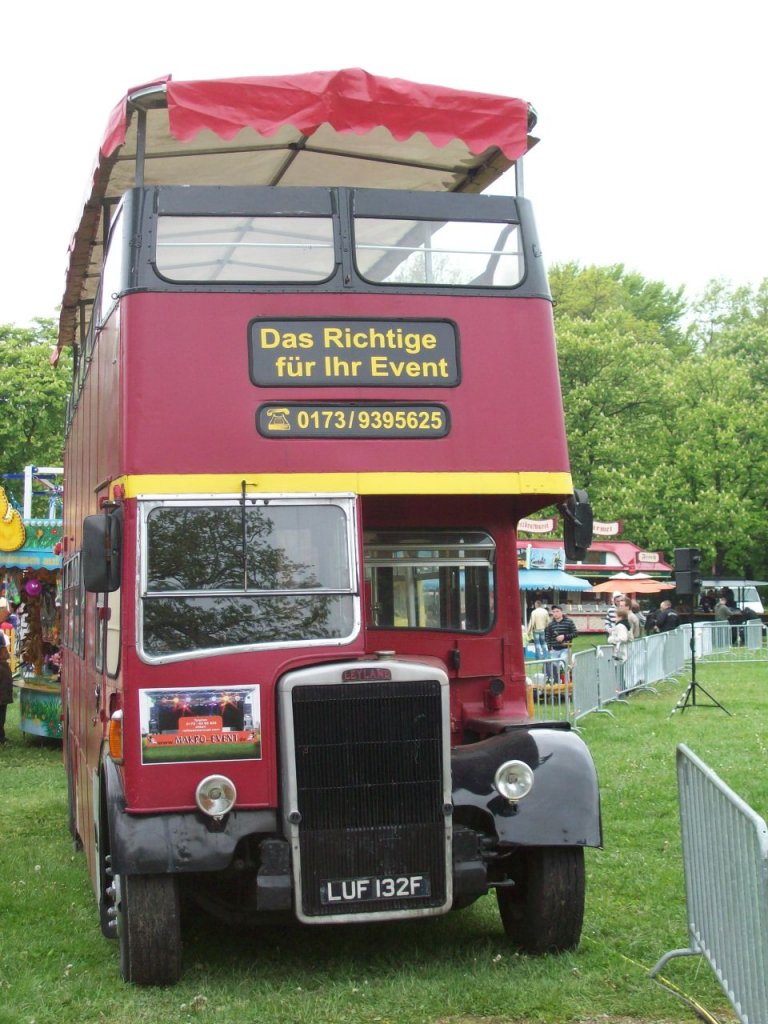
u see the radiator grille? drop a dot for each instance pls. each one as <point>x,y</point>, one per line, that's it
<point>369,780</point>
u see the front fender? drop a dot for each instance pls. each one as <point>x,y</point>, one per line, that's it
<point>174,842</point>
<point>563,807</point>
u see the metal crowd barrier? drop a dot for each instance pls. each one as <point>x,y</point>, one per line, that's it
<point>592,679</point>
<point>725,861</point>
<point>599,678</point>
<point>586,697</point>
<point>731,642</point>
<point>656,645</point>
<point>550,681</point>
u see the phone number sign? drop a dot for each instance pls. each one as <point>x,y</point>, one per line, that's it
<point>339,419</point>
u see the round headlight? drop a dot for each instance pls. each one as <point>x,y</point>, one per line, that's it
<point>216,795</point>
<point>514,780</point>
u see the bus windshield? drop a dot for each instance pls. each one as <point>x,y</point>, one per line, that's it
<point>243,574</point>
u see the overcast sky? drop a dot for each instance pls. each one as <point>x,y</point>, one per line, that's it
<point>652,116</point>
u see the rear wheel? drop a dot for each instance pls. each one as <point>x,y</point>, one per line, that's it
<point>149,928</point>
<point>544,910</point>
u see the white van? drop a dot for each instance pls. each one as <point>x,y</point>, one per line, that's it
<point>744,592</point>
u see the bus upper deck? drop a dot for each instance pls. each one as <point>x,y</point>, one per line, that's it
<point>345,128</point>
<point>425,267</point>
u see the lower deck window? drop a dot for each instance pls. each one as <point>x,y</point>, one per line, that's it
<point>431,580</point>
<point>234,574</point>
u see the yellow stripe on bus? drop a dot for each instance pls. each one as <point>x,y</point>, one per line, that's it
<point>353,483</point>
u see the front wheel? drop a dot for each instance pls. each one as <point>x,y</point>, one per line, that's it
<point>544,910</point>
<point>149,928</point>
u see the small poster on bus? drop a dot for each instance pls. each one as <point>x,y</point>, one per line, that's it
<point>200,724</point>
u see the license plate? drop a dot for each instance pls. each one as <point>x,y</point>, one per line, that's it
<point>385,887</point>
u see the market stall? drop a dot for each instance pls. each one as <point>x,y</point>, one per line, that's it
<point>607,566</point>
<point>30,600</point>
<point>541,576</point>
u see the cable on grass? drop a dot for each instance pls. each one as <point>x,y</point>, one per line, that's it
<point>701,1012</point>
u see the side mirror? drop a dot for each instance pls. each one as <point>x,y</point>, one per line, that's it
<point>102,543</point>
<point>577,525</point>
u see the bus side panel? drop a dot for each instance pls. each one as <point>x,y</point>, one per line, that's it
<point>93,457</point>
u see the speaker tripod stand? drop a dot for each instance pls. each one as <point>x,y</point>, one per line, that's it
<point>689,698</point>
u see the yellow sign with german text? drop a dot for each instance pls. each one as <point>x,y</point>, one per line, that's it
<point>368,353</point>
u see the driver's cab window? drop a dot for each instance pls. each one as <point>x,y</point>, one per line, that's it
<point>430,579</point>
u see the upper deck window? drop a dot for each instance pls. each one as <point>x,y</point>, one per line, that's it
<point>112,273</point>
<point>441,253</point>
<point>219,249</point>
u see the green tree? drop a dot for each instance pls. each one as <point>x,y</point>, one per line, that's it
<point>615,374</point>
<point>729,389</point>
<point>734,323</point>
<point>666,425</point>
<point>584,293</point>
<point>717,483</point>
<point>33,397</point>
<point>723,309</point>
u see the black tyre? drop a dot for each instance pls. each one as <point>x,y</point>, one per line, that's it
<point>107,890</point>
<point>149,928</point>
<point>543,912</point>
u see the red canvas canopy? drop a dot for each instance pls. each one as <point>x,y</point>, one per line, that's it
<point>322,128</point>
<point>347,101</point>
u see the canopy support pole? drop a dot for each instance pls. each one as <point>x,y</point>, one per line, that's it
<point>141,147</point>
<point>519,178</point>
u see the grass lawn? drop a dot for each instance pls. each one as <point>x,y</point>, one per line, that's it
<point>56,967</point>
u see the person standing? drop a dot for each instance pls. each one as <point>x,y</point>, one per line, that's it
<point>667,618</point>
<point>6,688</point>
<point>641,617</point>
<point>610,618</point>
<point>619,638</point>
<point>559,635</point>
<point>632,617</point>
<point>621,633</point>
<point>724,613</point>
<point>537,625</point>
<point>708,601</point>
<point>5,615</point>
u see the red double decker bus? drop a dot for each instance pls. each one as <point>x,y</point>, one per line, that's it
<point>310,360</point>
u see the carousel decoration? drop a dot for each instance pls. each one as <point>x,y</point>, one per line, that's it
<point>32,645</point>
<point>30,583</point>
<point>12,532</point>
